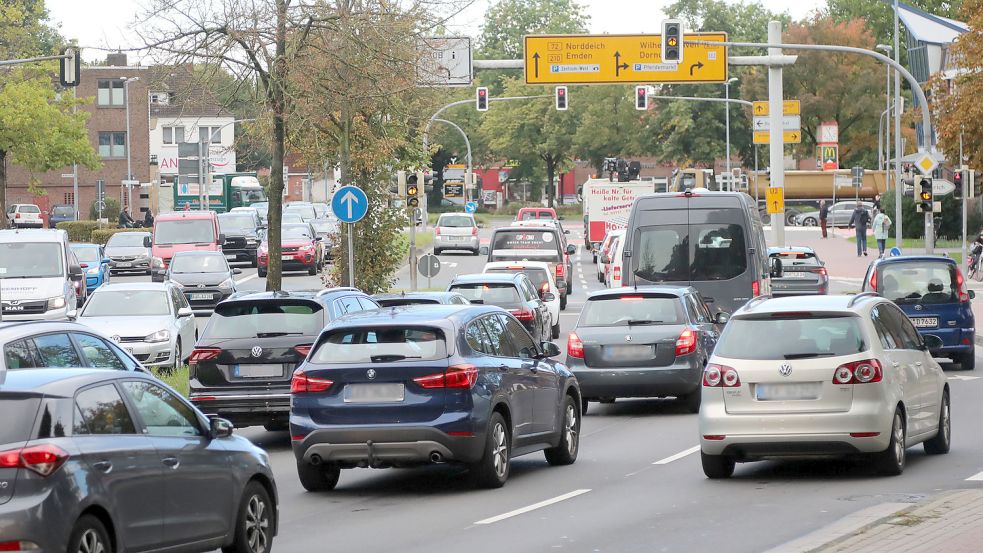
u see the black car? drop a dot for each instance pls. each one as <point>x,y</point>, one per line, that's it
<point>205,277</point>
<point>430,384</point>
<point>513,292</point>
<point>420,298</point>
<point>241,231</point>
<point>42,344</point>
<point>243,361</point>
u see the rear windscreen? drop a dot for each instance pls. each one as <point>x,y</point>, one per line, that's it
<point>491,294</point>
<point>525,244</point>
<point>918,282</point>
<point>631,310</point>
<point>540,279</point>
<point>796,258</point>
<point>17,414</point>
<point>381,345</point>
<point>790,338</point>
<point>715,251</point>
<point>455,221</point>
<point>264,320</point>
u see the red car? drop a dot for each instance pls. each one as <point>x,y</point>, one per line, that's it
<point>534,213</point>
<point>300,250</point>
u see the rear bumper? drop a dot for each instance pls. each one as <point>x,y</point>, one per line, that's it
<point>142,264</point>
<point>682,378</point>
<point>240,254</point>
<point>44,518</point>
<point>244,409</point>
<point>448,242</point>
<point>387,445</point>
<point>217,295</point>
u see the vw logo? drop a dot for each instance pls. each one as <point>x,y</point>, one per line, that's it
<point>628,338</point>
<point>115,338</point>
<point>785,369</point>
<point>201,286</point>
<point>370,373</point>
<point>257,351</point>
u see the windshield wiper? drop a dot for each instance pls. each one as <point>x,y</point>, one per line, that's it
<point>392,357</point>
<point>806,355</point>
<point>275,334</point>
<point>644,322</point>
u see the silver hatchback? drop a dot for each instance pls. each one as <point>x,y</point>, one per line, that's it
<point>456,231</point>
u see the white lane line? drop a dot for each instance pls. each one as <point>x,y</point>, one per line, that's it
<point>584,286</point>
<point>246,279</point>
<point>976,477</point>
<point>963,377</point>
<point>532,507</point>
<point>677,456</point>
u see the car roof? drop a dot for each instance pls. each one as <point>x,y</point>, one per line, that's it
<point>175,215</point>
<point>16,330</point>
<point>83,245</point>
<point>33,235</point>
<point>312,295</point>
<point>61,382</point>
<point>506,264</point>
<point>486,277</point>
<point>804,249</point>
<point>152,286</point>
<point>416,295</point>
<point>651,289</point>
<point>422,315</point>
<point>834,303</point>
<point>914,259</point>
<point>199,253</point>
<point>525,228</point>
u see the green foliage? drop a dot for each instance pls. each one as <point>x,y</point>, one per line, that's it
<point>175,378</point>
<point>609,125</point>
<point>78,231</point>
<point>948,224</point>
<point>879,15</point>
<point>958,109</point>
<point>111,211</point>
<point>508,21</point>
<point>101,236</point>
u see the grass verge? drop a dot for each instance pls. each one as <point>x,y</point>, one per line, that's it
<point>175,378</point>
<point>909,243</point>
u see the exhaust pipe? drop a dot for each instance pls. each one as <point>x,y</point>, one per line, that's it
<point>316,459</point>
<point>436,457</point>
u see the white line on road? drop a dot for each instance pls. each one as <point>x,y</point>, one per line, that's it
<point>246,279</point>
<point>677,456</point>
<point>532,507</point>
<point>978,477</point>
<point>963,377</point>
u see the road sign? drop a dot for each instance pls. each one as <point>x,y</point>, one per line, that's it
<point>471,207</point>
<point>789,123</point>
<point>130,182</point>
<point>67,175</point>
<point>789,107</point>
<point>941,187</point>
<point>349,204</point>
<point>895,252</point>
<point>788,137</point>
<point>926,163</point>
<point>858,176</point>
<point>612,59</point>
<point>444,61</point>
<point>428,265</point>
<point>829,132</point>
<point>775,199</point>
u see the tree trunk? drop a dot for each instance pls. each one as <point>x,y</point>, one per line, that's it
<point>274,94</point>
<point>3,189</point>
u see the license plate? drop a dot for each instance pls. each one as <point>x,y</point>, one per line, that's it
<point>287,258</point>
<point>797,275</point>
<point>787,392</point>
<point>628,353</point>
<point>374,393</point>
<point>258,371</point>
<point>925,322</point>
<point>201,296</point>
<point>456,238</point>
<point>124,264</point>
<point>230,257</point>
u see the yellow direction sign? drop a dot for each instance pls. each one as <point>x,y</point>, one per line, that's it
<point>612,59</point>
<point>789,137</point>
<point>775,199</point>
<point>789,107</point>
<point>926,163</point>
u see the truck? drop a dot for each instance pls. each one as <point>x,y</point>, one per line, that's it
<point>226,192</point>
<point>607,204</point>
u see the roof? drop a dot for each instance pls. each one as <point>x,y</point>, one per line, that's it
<point>199,253</point>
<point>805,249</point>
<point>17,329</point>
<point>33,235</point>
<point>654,289</point>
<point>415,295</point>
<point>130,286</point>
<point>822,304</point>
<point>911,258</point>
<point>184,215</point>
<point>191,94</point>
<point>927,27</point>
<point>290,294</point>
<point>423,315</point>
<point>520,263</point>
<point>83,245</point>
<point>60,381</point>
<point>485,277</point>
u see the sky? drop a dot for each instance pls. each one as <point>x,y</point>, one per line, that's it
<point>103,23</point>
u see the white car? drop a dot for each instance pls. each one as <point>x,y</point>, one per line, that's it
<point>151,321</point>
<point>835,376</point>
<point>456,231</point>
<point>617,254</point>
<point>606,250</point>
<point>24,216</point>
<point>541,277</point>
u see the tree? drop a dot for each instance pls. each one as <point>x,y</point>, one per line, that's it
<point>609,123</point>
<point>508,21</point>
<point>958,109</point>
<point>879,15</point>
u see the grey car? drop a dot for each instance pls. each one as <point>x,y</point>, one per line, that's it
<point>127,253</point>
<point>204,277</point>
<point>839,215</point>
<point>95,460</point>
<point>803,273</point>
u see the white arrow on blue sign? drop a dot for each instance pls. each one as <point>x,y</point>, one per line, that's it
<point>349,204</point>
<point>471,207</point>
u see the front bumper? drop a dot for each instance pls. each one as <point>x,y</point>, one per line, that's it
<point>387,445</point>
<point>50,315</point>
<point>150,353</point>
<point>243,408</point>
<point>292,261</point>
<point>679,379</point>
<point>456,242</point>
<point>205,298</point>
<point>139,264</point>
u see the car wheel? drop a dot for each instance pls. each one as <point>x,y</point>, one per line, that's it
<point>437,251</point>
<point>276,426</point>
<point>563,303</point>
<point>940,444</point>
<point>493,469</point>
<point>717,466</point>
<point>565,453</point>
<point>967,361</point>
<point>318,478</point>
<point>254,526</point>
<point>261,273</point>
<point>809,222</point>
<point>692,401</point>
<point>584,403</point>
<point>253,262</point>
<point>178,361</point>
<point>594,259</point>
<point>556,330</point>
<point>313,270</point>
<point>891,461</point>
<point>89,536</point>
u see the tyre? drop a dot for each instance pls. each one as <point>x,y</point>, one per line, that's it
<point>790,216</point>
<point>594,259</point>
<point>320,478</point>
<point>276,426</point>
<point>556,330</point>
<point>939,445</point>
<point>89,536</point>
<point>493,469</point>
<point>178,360</point>
<point>253,262</point>
<point>563,302</point>
<point>475,252</point>
<point>891,461</point>
<point>810,222</point>
<point>584,403</point>
<point>692,401</point>
<point>254,525</point>
<point>437,251</point>
<point>717,466</point>
<point>565,453</point>
<point>261,273</point>
<point>312,270</point>
<point>967,360</point>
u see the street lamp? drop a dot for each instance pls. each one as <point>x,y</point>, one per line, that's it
<point>887,49</point>
<point>129,169</point>
<point>727,119</point>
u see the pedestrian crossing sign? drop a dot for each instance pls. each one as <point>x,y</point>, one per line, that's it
<point>775,198</point>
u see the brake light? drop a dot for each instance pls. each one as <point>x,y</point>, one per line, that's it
<point>42,459</point>
<point>437,232</point>
<point>84,265</point>
<point>631,298</point>
<point>575,346</point>
<point>17,216</point>
<point>755,289</point>
<point>203,354</point>
<point>19,546</point>
<point>686,343</point>
<point>523,314</point>
<point>303,383</point>
<point>560,271</point>
<point>821,271</point>
<point>859,372</point>
<point>474,231</point>
<point>456,376</point>
<point>873,281</point>
<point>961,286</point>
<point>303,349</point>
<point>616,275</point>
<point>864,434</point>
<point>720,376</point>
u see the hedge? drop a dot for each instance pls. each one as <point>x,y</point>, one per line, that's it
<point>101,236</point>
<point>79,231</point>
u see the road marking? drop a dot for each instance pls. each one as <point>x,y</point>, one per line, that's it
<point>978,477</point>
<point>961,377</point>
<point>533,507</point>
<point>677,456</point>
<point>584,286</point>
<point>246,279</point>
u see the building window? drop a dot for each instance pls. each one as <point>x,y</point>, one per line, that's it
<point>110,92</point>
<point>160,98</point>
<point>173,135</point>
<point>69,198</point>
<point>112,144</point>
<point>214,132</point>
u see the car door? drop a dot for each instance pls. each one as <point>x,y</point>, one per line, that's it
<point>533,301</point>
<point>898,347</point>
<point>185,325</point>
<point>123,464</point>
<point>925,383</point>
<point>700,316</point>
<point>547,381</point>
<point>521,381</point>
<point>199,487</point>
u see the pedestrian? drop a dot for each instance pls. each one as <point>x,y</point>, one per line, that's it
<point>125,221</point>
<point>860,220</point>
<point>882,224</point>
<point>823,213</point>
<point>877,202</point>
<point>148,219</point>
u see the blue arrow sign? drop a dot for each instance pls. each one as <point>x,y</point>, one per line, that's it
<point>349,204</point>
<point>471,207</point>
<point>895,252</point>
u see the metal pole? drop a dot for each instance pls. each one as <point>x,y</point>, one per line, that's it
<point>965,194</point>
<point>755,147</point>
<point>129,169</point>
<point>426,128</point>
<point>351,255</point>
<point>776,157</point>
<point>898,221</point>
<point>75,171</point>
<point>413,259</point>
<point>727,122</point>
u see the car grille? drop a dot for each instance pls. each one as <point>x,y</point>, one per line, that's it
<point>15,307</point>
<point>235,242</point>
<point>123,258</point>
<point>128,339</point>
<point>291,250</point>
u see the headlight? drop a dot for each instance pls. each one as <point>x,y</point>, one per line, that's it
<point>178,284</point>
<point>93,271</point>
<point>156,263</point>
<point>227,283</point>
<point>308,248</point>
<point>56,303</point>
<point>159,336</point>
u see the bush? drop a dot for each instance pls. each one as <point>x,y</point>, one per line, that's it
<point>101,236</point>
<point>78,231</point>
<point>111,212</point>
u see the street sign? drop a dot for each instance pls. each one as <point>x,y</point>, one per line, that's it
<point>349,204</point>
<point>858,176</point>
<point>895,252</point>
<point>428,265</point>
<point>612,59</point>
<point>941,187</point>
<point>828,157</point>
<point>789,123</point>
<point>926,163</point>
<point>788,137</point>
<point>130,182</point>
<point>471,207</point>
<point>829,133</point>
<point>67,175</point>
<point>775,199</point>
<point>444,61</point>
<point>789,107</point>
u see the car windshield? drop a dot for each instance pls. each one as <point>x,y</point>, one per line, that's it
<point>380,345</point>
<point>261,207</point>
<point>63,211</point>
<point>792,337</point>
<point>199,264</point>
<point>632,309</point>
<point>456,221</point>
<point>127,240</point>
<point>250,195</point>
<point>924,282</point>
<point>325,226</point>
<point>494,293</point>
<point>233,222</point>
<point>184,231</point>
<point>263,319</point>
<point>29,209</point>
<point>793,258</point>
<point>127,303</point>
<point>669,253</point>
<point>31,260</point>
<point>305,211</point>
<point>540,279</point>
<point>87,255</point>
<point>533,244</point>
<point>295,232</point>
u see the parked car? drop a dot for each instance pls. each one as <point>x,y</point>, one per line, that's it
<point>839,214</point>
<point>55,344</point>
<point>456,231</point>
<point>95,460</point>
<point>932,292</point>
<point>542,280</point>
<point>650,341</point>
<point>803,273</point>
<point>512,292</point>
<point>127,252</point>
<point>292,217</point>
<point>41,278</point>
<point>24,216</point>
<point>94,262</point>
<point>241,231</point>
<point>241,366</point>
<point>151,321</point>
<point>822,376</point>
<point>614,276</point>
<point>420,298</point>
<point>81,291</point>
<point>443,384</point>
<point>300,250</point>
<point>205,278</point>
<point>59,213</point>
<point>304,209</point>
<point>328,231</point>
<point>535,244</point>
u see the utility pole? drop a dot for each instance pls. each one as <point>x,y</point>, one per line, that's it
<point>776,158</point>
<point>898,152</point>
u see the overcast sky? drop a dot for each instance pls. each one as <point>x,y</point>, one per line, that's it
<point>103,23</point>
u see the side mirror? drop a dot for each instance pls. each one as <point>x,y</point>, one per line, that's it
<point>481,225</point>
<point>932,342</point>
<point>605,259</point>
<point>483,250</point>
<point>317,238</point>
<point>972,294</point>
<point>148,242</point>
<point>549,296</point>
<point>566,231</point>
<point>105,261</point>
<point>549,349</point>
<point>75,273</point>
<point>220,428</point>
<point>185,312</point>
<point>775,267</point>
<point>721,318</point>
<point>571,249</point>
<point>221,238</point>
<point>237,271</point>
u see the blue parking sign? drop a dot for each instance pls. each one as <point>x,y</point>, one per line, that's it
<point>895,252</point>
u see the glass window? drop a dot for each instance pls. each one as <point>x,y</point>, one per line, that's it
<point>79,427</point>
<point>263,319</point>
<point>184,231</point>
<point>119,144</point>
<point>348,304</point>
<point>97,353</point>
<point>495,293</point>
<point>173,135</point>
<point>790,338</point>
<point>109,92</point>
<point>176,296</point>
<point>498,337</point>
<point>103,411</point>
<point>162,413</point>
<point>168,135</point>
<point>532,244</point>
<point>198,263</point>
<point>17,355</point>
<point>29,208</point>
<point>520,339</point>
<point>635,309</point>
<point>57,350</point>
<point>236,221</point>
<point>795,258</point>
<point>889,336</point>
<point>903,329</point>
<point>127,239</point>
<point>87,254</point>
<point>477,338</point>
<point>105,144</point>
<point>537,275</point>
<point>381,345</point>
<point>296,232</point>
<point>455,221</point>
<point>918,282</point>
<point>367,304</point>
<point>691,252</point>
<point>698,310</point>
<point>126,303</point>
<point>129,363</point>
<point>117,93</point>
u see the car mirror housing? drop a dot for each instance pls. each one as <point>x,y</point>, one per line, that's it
<point>483,250</point>
<point>550,349</point>
<point>185,312</point>
<point>220,428</point>
<point>549,296</point>
<point>721,318</point>
<point>237,271</point>
<point>571,249</point>
<point>147,242</point>
<point>775,266</point>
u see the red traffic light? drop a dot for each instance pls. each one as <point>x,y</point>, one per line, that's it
<point>481,92</point>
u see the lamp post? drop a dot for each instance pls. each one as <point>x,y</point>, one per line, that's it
<point>887,49</point>
<point>727,121</point>
<point>129,169</point>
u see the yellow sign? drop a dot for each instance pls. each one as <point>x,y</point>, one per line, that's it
<point>789,107</point>
<point>776,200</point>
<point>790,137</point>
<point>612,59</point>
<point>926,163</point>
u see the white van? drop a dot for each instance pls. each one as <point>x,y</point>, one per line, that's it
<point>37,275</point>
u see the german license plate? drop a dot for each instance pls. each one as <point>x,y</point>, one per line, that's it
<point>796,275</point>
<point>258,371</point>
<point>124,264</point>
<point>787,392</point>
<point>925,322</point>
<point>287,258</point>
<point>628,353</point>
<point>456,238</point>
<point>201,296</point>
<point>374,393</point>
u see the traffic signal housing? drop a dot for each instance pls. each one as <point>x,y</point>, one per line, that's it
<point>481,98</point>
<point>70,66</point>
<point>641,97</point>
<point>672,41</point>
<point>958,178</point>
<point>925,194</point>
<point>414,183</point>
<point>561,98</point>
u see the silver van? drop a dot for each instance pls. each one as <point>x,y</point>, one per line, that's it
<point>37,275</point>
<point>712,241</point>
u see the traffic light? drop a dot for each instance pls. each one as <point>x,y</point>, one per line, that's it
<point>561,98</point>
<point>641,97</point>
<point>413,183</point>
<point>70,66</point>
<point>925,194</point>
<point>957,179</point>
<point>672,41</point>
<point>481,98</point>
<point>975,183</point>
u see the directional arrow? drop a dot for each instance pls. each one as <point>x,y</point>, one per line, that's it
<point>759,109</point>
<point>350,199</point>
<point>536,65</point>
<point>695,66</point>
<point>795,136</point>
<point>618,66</point>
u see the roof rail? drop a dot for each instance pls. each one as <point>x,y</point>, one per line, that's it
<point>336,289</point>
<point>756,299</point>
<point>861,296</point>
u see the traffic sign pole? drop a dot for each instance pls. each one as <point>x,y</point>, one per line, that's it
<point>776,160</point>
<point>351,254</point>
<point>350,204</point>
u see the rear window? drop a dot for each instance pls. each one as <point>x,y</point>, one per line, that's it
<point>796,258</point>
<point>918,282</point>
<point>491,294</point>
<point>264,320</point>
<point>18,414</point>
<point>626,310</point>
<point>790,338</point>
<point>236,222</point>
<point>405,301</point>
<point>526,244</point>
<point>455,221</point>
<point>381,345</point>
<point>29,209</point>
<point>714,251</point>
<point>63,211</point>
<point>537,275</point>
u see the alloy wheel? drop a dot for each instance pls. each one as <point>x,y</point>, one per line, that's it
<point>946,421</point>
<point>571,434</point>
<point>90,542</point>
<point>899,446</point>
<point>257,525</point>
<point>500,450</point>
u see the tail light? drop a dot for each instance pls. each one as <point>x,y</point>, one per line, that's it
<point>43,459</point>
<point>859,372</point>
<point>203,354</point>
<point>560,271</point>
<point>17,216</point>
<point>873,280</point>
<point>474,231</point>
<point>720,376</point>
<point>303,383</point>
<point>755,289</point>
<point>961,286</point>
<point>616,274</point>
<point>575,346</point>
<point>523,314</point>
<point>456,376</point>
<point>84,265</point>
<point>821,272</point>
<point>303,349</point>
<point>686,343</point>
<point>436,231</point>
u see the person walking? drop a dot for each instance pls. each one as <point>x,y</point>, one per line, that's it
<point>823,213</point>
<point>860,220</point>
<point>877,202</point>
<point>882,224</point>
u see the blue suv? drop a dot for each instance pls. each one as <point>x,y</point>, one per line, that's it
<point>421,385</point>
<point>932,293</point>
